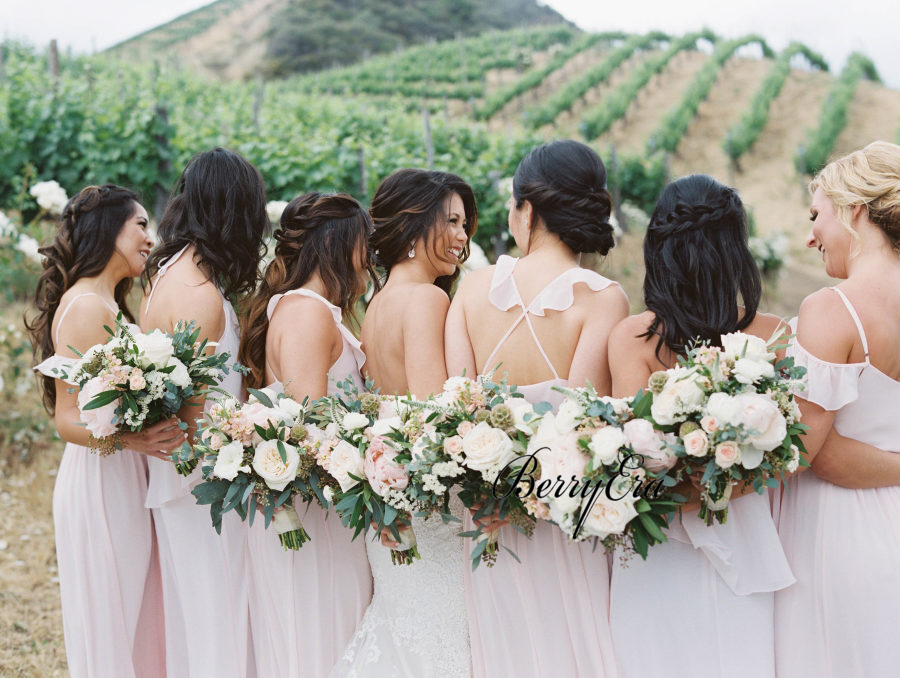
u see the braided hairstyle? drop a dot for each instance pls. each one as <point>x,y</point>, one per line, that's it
<point>319,233</point>
<point>410,203</point>
<point>218,205</point>
<point>697,261</point>
<point>565,182</point>
<point>84,244</point>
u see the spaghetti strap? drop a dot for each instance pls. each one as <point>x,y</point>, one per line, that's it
<point>855,316</point>
<point>69,305</point>
<point>160,273</point>
<point>524,316</point>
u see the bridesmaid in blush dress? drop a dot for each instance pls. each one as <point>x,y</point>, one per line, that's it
<point>702,603</point>
<point>105,548</point>
<point>305,605</point>
<point>211,240</point>
<point>545,321</point>
<point>840,523</point>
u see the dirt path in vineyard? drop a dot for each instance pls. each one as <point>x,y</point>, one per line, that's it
<point>700,149</point>
<point>664,90</point>
<point>874,114</point>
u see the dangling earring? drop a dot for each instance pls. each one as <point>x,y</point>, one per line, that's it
<point>412,252</point>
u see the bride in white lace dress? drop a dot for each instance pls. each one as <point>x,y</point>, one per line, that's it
<point>416,624</point>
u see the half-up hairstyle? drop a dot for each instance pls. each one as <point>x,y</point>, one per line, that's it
<point>319,233</point>
<point>565,182</point>
<point>84,244</point>
<point>410,203</point>
<point>697,262</point>
<point>218,205</point>
<point>870,177</point>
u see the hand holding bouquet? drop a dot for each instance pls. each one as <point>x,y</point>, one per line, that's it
<point>138,379</point>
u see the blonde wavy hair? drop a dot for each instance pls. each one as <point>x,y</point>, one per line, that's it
<point>870,177</point>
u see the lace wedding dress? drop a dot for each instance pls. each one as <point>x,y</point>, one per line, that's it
<point>416,625</point>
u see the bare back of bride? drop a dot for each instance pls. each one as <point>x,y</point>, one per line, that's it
<point>416,625</point>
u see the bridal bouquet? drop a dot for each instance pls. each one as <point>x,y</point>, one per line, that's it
<point>261,455</point>
<point>471,437</point>
<point>734,414</point>
<point>136,379</point>
<point>602,471</point>
<point>369,471</point>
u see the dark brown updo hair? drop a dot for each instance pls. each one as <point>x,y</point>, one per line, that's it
<point>410,203</point>
<point>321,233</point>
<point>84,244</point>
<point>565,182</point>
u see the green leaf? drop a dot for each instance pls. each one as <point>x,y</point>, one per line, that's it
<point>101,399</point>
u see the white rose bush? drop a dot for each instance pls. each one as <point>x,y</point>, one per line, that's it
<point>732,415</point>
<point>137,379</point>
<point>258,457</point>
<point>598,470</point>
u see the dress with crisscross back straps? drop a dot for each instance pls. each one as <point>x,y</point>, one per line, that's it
<point>305,605</point>
<point>204,574</point>
<point>842,617</point>
<point>549,614</point>
<point>106,553</point>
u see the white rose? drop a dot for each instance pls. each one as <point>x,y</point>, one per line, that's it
<point>230,461</point>
<point>268,464</point>
<point>740,345</point>
<point>608,516</point>
<point>762,419</point>
<point>354,420</point>
<point>383,427</point>
<point>346,459</point>
<point>606,443</point>
<point>155,347</point>
<point>560,458</point>
<point>649,443</point>
<point>696,443</point>
<point>99,421</point>
<point>682,394</point>
<point>568,414</point>
<point>723,408</point>
<point>179,376</point>
<point>748,371</point>
<point>290,407</point>
<point>519,408</point>
<point>486,447</point>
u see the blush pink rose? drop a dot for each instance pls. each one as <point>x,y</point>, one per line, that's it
<point>464,427</point>
<point>384,474</point>
<point>727,454</point>
<point>98,421</point>
<point>649,443</point>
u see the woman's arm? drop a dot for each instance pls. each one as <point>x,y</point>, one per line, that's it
<point>855,464</point>
<point>307,343</point>
<point>460,355</point>
<point>627,366</point>
<point>423,340</point>
<point>590,361</point>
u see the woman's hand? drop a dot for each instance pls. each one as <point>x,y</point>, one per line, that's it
<point>490,523</point>
<point>158,440</point>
